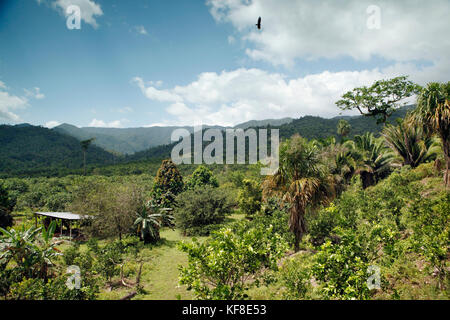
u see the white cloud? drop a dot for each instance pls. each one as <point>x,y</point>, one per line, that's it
<point>305,29</point>
<point>156,94</point>
<point>141,30</point>
<point>34,93</point>
<point>103,124</point>
<point>232,97</point>
<point>89,9</point>
<point>10,103</point>
<point>125,110</point>
<point>51,124</point>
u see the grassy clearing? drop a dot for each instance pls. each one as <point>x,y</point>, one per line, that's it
<point>159,276</point>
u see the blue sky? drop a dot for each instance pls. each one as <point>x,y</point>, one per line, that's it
<point>167,62</point>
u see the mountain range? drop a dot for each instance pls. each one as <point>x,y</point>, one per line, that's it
<point>132,140</point>
<point>34,150</point>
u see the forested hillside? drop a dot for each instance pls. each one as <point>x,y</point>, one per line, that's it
<point>132,140</point>
<point>319,128</point>
<point>29,149</point>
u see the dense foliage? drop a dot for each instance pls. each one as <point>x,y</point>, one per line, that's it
<point>202,209</point>
<point>222,267</point>
<point>168,184</point>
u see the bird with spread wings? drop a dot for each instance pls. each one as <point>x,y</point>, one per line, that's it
<point>259,23</point>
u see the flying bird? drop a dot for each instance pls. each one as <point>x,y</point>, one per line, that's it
<point>259,23</point>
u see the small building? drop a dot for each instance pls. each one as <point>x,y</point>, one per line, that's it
<point>67,217</point>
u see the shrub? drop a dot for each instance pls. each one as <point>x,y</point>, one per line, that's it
<point>200,208</point>
<point>109,259</point>
<point>295,278</point>
<point>224,266</point>
<point>250,197</point>
<point>202,176</point>
<point>342,268</point>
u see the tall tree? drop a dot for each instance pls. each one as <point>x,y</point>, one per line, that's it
<point>381,99</point>
<point>343,129</point>
<point>433,113</point>
<point>168,184</point>
<point>301,180</point>
<point>84,146</point>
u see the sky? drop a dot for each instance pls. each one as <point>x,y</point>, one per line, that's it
<point>175,62</point>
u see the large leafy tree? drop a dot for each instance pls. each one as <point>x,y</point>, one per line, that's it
<point>372,157</point>
<point>433,113</point>
<point>381,99</point>
<point>410,144</point>
<point>168,184</point>
<point>301,181</point>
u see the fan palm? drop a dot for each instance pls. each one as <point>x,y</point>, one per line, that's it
<point>410,144</point>
<point>300,181</point>
<point>433,113</point>
<point>372,157</point>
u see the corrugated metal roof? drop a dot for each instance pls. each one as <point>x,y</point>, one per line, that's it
<point>63,215</point>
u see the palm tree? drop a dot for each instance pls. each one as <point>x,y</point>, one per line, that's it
<point>85,145</point>
<point>433,113</point>
<point>343,129</point>
<point>150,219</point>
<point>373,158</point>
<point>300,181</point>
<point>410,144</point>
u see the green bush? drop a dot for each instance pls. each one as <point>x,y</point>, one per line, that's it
<point>250,197</point>
<point>342,268</point>
<point>200,208</point>
<point>295,278</point>
<point>222,266</point>
<point>202,176</point>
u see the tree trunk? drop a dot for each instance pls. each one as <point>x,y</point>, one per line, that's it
<point>446,147</point>
<point>297,224</point>
<point>84,161</point>
<point>367,179</point>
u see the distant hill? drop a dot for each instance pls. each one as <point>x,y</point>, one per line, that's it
<point>131,140</point>
<point>316,127</point>
<point>31,149</point>
<point>263,123</point>
<point>309,127</point>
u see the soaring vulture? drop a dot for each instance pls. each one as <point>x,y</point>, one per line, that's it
<point>259,23</point>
